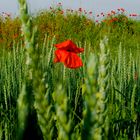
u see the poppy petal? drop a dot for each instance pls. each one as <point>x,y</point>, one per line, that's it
<point>73,61</point>
<point>60,56</point>
<point>70,59</point>
<point>69,46</point>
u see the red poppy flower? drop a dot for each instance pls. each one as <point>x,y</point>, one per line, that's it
<point>113,12</point>
<point>80,10</point>
<point>67,53</point>
<point>122,9</point>
<point>90,12</point>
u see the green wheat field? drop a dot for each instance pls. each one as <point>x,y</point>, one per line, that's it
<point>43,100</point>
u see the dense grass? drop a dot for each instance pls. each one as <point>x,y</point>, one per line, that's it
<point>43,100</point>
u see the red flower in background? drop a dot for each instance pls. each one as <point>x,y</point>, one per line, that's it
<point>118,9</point>
<point>113,12</point>
<point>67,53</point>
<point>122,9</point>
<point>80,9</point>
<point>90,12</point>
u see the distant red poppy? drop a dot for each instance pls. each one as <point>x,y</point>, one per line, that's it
<point>134,15</point>
<point>15,36</point>
<point>113,12</point>
<point>118,9</point>
<point>115,19</point>
<point>108,14</point>
<point>62,12</point>
<point>122,9</point>
<point>80,9</point>
<point>90,12</point>
<point>67,53</point>
<point>59,3</point>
